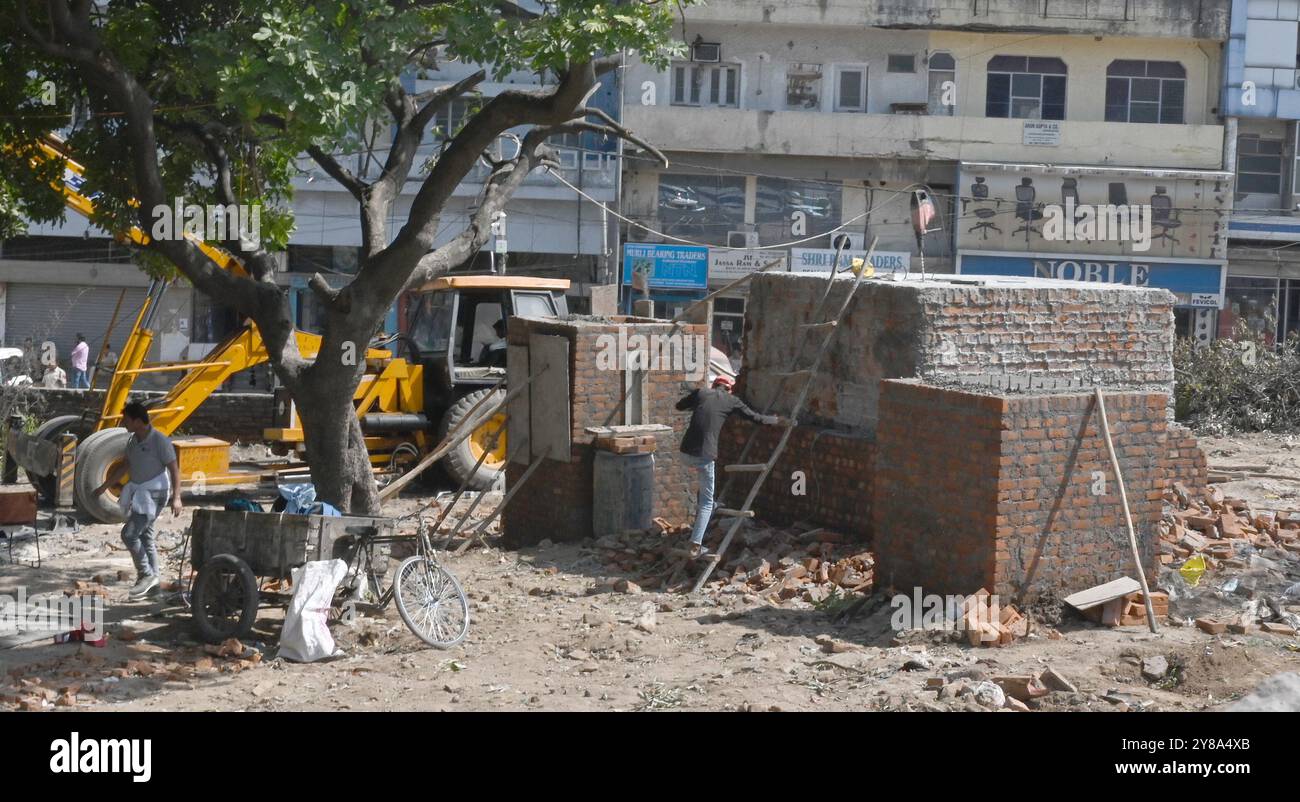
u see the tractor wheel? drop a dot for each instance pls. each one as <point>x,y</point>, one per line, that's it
<point>51,430</point>
<point>96,455</point>
<point>460,460</point>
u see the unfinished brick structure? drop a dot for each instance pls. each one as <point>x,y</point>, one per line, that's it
<point>959,483</point>
<point>1013,492</point>
<point>954,327</point>
<point>557,502</point>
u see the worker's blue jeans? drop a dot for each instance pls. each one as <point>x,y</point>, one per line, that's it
<point>704,505</point>
<point>138,535</point>
<point>79,380</point>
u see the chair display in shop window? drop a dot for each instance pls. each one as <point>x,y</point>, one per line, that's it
<point>1027,209</point>
<point>984,213</point>
<point>1163,217</point>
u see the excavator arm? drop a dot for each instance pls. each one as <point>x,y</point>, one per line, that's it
<point>241,350</point>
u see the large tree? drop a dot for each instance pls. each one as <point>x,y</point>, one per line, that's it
<point>217,102</point>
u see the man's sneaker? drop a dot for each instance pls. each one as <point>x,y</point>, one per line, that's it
<point>143,588</point>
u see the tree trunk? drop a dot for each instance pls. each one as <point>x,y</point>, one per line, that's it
<point>336,449</point>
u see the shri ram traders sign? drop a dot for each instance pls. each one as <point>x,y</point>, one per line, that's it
<point>1196,283</point>
<point>817,260</point>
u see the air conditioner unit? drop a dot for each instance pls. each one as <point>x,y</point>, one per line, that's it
<point>851,241</point>
<point>742,239</point>
<point>638,234</point>
<point>706,51</point>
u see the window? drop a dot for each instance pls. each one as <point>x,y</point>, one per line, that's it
<point>1251,303</point>
<point>942,68</point>
<point>1259,165</point>
<point>902,63</point>
<point>803,86</point>
<point>701,207</point>
<point>851,89</point>
<point>451,118</point>
<point>1145,92</point>
<point>1026,88</point>
<point>781,201</point>
<point>706,85</point>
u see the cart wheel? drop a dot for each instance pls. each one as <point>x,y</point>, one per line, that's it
<point>431,602</point>
<point>224,602</point>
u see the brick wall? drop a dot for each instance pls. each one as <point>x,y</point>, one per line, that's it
<point>236,417</point>
<point>556,504</point>
<point>1187,462</point>
<point>980,490</point>
<point>837,469</point>
<point>939,330</point>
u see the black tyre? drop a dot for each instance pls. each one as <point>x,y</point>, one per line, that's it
<point>460,461</point>
<point>224,602</point>
<point>97,455</point>
<point>51,431</point>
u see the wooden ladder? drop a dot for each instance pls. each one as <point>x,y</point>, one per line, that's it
<point>763,469</point>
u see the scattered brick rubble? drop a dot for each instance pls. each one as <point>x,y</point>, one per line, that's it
<point>786,565</point>
<point>84,676</point>
<point>1218,528</point>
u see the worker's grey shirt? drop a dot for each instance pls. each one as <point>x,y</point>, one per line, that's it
<point>149,457</point>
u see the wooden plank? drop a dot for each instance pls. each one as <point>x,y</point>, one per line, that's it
<point>517,374</point>
<point>549,423</point>
<point>1101,594</point>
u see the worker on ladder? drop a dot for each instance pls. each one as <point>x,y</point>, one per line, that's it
<point>711,408</point>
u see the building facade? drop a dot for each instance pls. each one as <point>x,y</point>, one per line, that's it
<point>791,128</point>
<point>1261,102</point>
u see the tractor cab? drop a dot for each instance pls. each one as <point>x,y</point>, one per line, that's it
<point>456,334</point>
<point>457,327</point>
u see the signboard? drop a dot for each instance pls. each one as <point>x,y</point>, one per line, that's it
<point>1042,132</point>
<point>725,266</point>
<point>1195,283</point>
<point>820,260</point>
<point>684,267</point>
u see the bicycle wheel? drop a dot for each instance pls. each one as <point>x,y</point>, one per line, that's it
<point>431,602</point>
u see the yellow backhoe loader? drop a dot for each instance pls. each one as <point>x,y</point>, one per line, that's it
<point>444,392</point>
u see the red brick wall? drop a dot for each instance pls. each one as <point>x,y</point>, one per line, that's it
<point>934,514</point>
<point>556,503</point>
<point>837,466</point>
<point>1188,463</point>
<point>979,490</point>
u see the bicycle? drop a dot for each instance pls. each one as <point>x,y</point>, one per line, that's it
<point>430,599</point>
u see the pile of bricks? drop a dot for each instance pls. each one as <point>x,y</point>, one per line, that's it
<point>1212,525</point>
<point>779,564</point>
<point>626,444</point>
<point>1129,610</point>
<point>987,623</point>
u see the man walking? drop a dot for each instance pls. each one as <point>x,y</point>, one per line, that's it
<point>700,444</point>
<point>80,356</point>
<point>154,477</point>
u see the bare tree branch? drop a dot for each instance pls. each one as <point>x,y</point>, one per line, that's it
<point>355,186</point>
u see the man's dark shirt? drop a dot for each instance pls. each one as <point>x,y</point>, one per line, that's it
<point>711,410</point>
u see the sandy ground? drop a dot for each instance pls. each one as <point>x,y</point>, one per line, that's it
<point>549,633</point>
